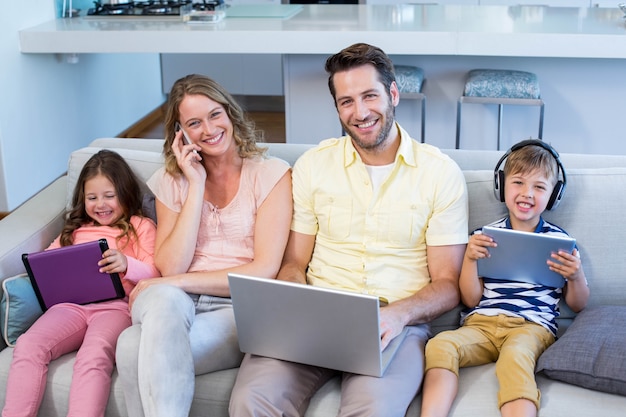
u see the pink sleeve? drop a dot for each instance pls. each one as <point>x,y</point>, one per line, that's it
<point>267,174</point>
<point>140,254</point>
<point>56,243</point>
<point>169,190</point>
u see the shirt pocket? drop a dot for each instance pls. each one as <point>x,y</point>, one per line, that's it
<point>403,223</point>
<point>334,215</point>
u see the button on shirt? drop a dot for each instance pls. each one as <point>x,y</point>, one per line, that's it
<point>371,242</point>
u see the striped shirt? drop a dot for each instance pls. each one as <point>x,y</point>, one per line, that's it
<point>535,303</point>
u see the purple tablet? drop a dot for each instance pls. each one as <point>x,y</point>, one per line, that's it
<point>71,274</point>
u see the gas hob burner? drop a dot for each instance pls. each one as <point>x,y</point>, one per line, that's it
<point>142,8</point>
<point>111,9</point>
<point>167,8</point>
<point>209,5</point>
<point>157,9</point>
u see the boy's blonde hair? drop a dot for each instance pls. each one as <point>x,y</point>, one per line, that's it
<point>532,158</point>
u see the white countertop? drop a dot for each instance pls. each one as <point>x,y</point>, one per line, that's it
<point>522,31</point>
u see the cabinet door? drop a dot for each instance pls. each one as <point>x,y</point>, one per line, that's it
<point>240,74</point>
<point>551,3</point>
<point>605,3</point>
<point>442,2</point>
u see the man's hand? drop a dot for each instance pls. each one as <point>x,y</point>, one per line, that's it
<point>391,325</point>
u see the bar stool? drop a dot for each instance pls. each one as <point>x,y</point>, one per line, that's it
<point>501,87</point>
<point>410,81</point>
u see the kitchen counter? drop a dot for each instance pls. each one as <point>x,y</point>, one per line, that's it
<point>445,30</point>
<point>578,54</point>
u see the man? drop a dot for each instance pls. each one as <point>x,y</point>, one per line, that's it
<point>377,212</point>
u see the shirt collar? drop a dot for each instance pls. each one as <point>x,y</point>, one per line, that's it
<point>537,229</point>
<point>405,150</point>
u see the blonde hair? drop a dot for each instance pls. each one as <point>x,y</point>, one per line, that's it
<point>245,134</point>
<point>529,159</point>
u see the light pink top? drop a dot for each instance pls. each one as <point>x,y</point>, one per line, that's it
<point>139,252</point>
<point>226,234</point>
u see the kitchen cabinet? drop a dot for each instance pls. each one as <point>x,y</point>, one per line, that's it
<point>240,74</point>
<point>561,45</point>
<point>605,3</point>
<point>551,3</point>
<point>451,2</point>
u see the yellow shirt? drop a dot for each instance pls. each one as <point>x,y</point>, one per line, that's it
<point>376,243</point>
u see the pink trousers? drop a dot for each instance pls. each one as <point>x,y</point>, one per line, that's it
<point>91,329</point>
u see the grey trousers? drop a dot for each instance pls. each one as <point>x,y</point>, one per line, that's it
<point>174,336</point>
<point>271,387</point>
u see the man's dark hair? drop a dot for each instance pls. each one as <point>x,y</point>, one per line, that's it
<point>358,55</point>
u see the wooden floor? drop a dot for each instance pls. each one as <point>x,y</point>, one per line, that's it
<point>267,113</point>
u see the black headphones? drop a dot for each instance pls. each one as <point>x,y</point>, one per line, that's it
<point>559,187</point>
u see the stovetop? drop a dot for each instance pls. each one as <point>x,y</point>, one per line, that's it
<point>152,8</point>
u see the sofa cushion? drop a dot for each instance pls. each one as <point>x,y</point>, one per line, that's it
<point>483,206</point>
<point>19,307</point>
<point>591,352</point>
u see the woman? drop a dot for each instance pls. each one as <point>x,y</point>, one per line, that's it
<point>221,207</point>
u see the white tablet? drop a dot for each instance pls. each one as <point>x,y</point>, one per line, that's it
<point>521,256</point>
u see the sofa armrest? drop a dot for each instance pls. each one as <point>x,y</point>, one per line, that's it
<point>31,227</point>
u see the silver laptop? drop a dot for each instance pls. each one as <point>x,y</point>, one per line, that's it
<point>310,325</point>
<point>521,256</point>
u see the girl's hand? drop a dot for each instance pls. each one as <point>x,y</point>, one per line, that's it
<point>566,264</point>
<point>188,159</point>
<point>478,246</point>
<point>113,261</point>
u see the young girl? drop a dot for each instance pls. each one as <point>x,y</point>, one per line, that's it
<point>106,204</point>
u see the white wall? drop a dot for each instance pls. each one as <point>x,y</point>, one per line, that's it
<point>49,107</point>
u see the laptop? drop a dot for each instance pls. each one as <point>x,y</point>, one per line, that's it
<point>71,274</point>
<point>310,325</point>
<point>521,256</point>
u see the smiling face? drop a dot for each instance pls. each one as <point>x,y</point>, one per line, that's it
<point>207,124</point>
<point>101,201</point>
<point>526,196</point>
<point>365,107</point>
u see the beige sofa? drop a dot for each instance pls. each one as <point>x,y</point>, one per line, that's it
<point>592,212</point>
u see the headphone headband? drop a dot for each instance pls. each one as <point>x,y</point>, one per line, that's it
<point>559,187</point>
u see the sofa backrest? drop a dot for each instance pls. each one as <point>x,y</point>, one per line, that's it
<point>591,209</point>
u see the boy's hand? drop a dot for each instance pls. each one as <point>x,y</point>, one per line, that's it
<point>566,264</point>
<point>478,246</point>
<point>113,261</point>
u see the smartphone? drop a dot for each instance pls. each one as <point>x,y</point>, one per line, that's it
<point>185,137</point>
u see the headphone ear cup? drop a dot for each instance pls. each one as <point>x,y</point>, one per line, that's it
<point>557,194</point>
<point>500,186</point>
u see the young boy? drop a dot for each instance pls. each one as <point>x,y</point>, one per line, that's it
<point>510,323</point>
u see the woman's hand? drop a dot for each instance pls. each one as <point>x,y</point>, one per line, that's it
<point>188,159</point>
<point>144,284</point>
<point>113,261</point>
